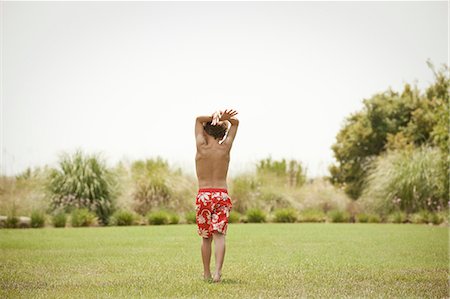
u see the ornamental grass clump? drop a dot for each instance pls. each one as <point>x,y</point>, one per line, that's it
<point>398,217</point>
<point>82,181</point>
<point>234,217</point>
<point>312,215</point>
<point>82,217</point>
<point>158,218</point>
<point>256,216</point>
<point>122,218</point>
<point>408,180</point>
<point>338,216</point>
<point>190,217</point>
<point>59,219</point>
<point>285,215</point>
<point>37,219</point>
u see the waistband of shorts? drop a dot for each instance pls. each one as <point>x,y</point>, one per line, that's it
<point>212,190</point>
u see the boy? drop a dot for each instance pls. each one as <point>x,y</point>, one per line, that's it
<point>213,204</point>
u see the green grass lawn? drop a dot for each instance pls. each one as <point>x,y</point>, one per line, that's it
<point>262,260</point>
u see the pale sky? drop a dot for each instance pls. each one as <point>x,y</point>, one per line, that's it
<point>128,78</point>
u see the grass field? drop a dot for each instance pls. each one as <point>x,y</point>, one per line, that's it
<point>262,260</point>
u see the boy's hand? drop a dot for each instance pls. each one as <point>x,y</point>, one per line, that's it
<point>216,118</point>
<point>228,114</point>
<point>220,116</point>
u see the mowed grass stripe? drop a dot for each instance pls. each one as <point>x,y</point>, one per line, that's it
<point>262,260</point>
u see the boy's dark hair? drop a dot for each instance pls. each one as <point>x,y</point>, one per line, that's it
<point>217,131</point>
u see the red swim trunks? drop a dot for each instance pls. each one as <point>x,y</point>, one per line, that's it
<point>213,206</point>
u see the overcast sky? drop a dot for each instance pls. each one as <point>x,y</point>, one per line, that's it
<point>128,79</point>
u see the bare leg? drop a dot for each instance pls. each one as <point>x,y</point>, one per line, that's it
<point>219,244</point>
<point>206,257</point>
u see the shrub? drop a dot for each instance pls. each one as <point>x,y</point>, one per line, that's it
<point>398,217</point>
<point>82,217</point>
<point>150,193</point>
<point>321,194</point>
<point>424,216</point>
<point>122,218</point>
<point>392,120</point>
<point>256,215</point>
<point>374,218</point>
<point>409,180</point>
<point>338,216</point>
<point>83,181</point>
<point>245,189</point>
<point>435,219</point>
<point>272,199</point>
<point>444,215</point>
<point>312,215</point>
<point>234,217</point>
<point>12,221</point>
<point>362,218</point>
<point>24,193</point>
<point>37,219</point>
<point>152,190</point>
<point>173,218</point>
<point>285,215</point>
<point>59,219</point>
<point>420,217</point>
<point>158,217</point>
<point>190,217</point>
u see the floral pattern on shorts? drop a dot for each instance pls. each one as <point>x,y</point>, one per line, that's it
<point>213,208</point>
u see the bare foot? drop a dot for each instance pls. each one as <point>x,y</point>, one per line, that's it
<point>217,277</point>
<point>207,276</point>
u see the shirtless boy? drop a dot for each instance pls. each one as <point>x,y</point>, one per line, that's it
<point>213,204</point>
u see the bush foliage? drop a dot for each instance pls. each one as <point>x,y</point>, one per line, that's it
<point>158,217</point>
<point>256,216</point>
<point>312,215</point>
<point>59,219</point>
<point>156,186</point>
<point>82,217</point>
<point>190,217</point>
<point>392,121</point>
<point>82,181</point>
<point>234,217</point>
<point>122,218</point>
<point>398,217</point>
<point>285,215</point>
<point>407,180</point>
<point>338,216</point>
<point>37,219</point>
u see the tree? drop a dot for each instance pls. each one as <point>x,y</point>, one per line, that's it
<point>391,120</point>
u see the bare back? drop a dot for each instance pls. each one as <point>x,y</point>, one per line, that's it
<point>211,163</point>
<point>212,158</point>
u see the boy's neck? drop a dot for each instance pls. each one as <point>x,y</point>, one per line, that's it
<point>211,139</point>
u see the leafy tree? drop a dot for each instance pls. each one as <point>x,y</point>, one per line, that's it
<point>389,121</point>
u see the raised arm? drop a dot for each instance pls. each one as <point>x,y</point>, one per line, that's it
<point>230,115</point>
<point>199,121</point>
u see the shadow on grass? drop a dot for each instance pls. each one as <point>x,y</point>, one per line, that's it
<point>226,281</point>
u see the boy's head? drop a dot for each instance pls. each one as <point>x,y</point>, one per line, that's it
<point>218,131</point>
